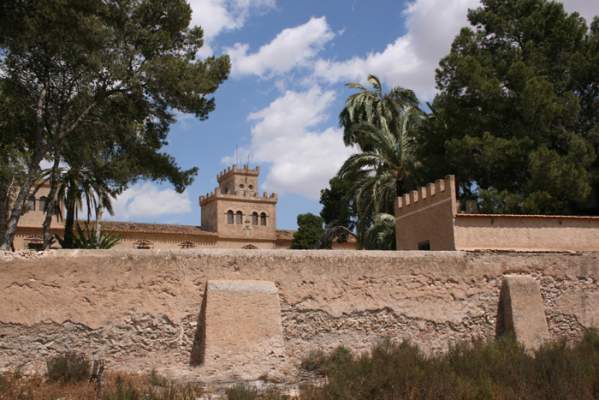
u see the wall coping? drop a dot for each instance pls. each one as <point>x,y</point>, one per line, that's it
<point>530,216</point>
<point>25,255</point>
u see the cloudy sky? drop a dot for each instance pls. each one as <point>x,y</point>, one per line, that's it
<point>280,105</point>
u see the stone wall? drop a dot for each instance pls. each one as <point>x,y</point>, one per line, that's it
<point>143,309</point>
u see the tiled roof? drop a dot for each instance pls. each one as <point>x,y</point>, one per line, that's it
<point>137,227</point>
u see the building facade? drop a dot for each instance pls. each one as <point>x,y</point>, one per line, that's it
<point>234,215</point>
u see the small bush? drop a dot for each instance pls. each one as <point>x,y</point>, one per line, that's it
<point>498,369</point>
<point>68,368</point>
<point>244,392</point>
<point>241,392</point>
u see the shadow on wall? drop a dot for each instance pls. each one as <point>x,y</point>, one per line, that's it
<point>198,349</point>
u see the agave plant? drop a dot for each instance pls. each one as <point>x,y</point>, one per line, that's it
<point>89,238</point>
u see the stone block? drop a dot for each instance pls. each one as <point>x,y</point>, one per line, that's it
<point>243,330</point>
<point>521,311</point>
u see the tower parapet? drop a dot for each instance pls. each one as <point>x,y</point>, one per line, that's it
<point>234,169</point>
<point>438,190</point>
<point>218,194</point>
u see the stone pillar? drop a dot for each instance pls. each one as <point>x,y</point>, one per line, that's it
<point>243,330</point>
<point>521,311</point>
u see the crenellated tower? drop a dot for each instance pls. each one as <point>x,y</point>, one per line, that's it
<point>236,210</point>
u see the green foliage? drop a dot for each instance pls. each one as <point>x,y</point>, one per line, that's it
<point>383,126</point>
<point>97,84</point>
<point>87,238</point>
<point>395,111</point>
<point>309,232</point>
<point>69,367</point>
<point>338,207</point>
<point>245,392</point>
<point>499,369</point>
<point>513,117</point>
<point>381,234</point>
<point>380,174</point>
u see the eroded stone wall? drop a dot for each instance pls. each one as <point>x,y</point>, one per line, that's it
<point>141,309</point>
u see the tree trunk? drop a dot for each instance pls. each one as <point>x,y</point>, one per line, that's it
<point>98,225</point>
<point>17,210</point>
<point>6,190</point>
<point>69,222</point>
<point>32,173</point>
<point>50,205</point>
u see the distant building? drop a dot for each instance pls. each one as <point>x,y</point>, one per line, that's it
<point>234,215</point>
<point>430,219</point>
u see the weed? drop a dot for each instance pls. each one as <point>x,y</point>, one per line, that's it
<point>68,368</point>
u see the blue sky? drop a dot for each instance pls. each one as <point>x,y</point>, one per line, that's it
<point>279,107</point>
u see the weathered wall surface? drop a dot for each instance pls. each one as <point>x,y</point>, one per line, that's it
<point>526,232</point>
<point>141,309</point>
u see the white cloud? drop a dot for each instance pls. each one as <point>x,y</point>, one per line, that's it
<point>217,16</point>
<point>291,48</point>
<point>302,158</point>
<point>147,200</point>
<point>409,61</point>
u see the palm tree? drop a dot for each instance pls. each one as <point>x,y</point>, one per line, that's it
<point>382,110</point>
<point>381,173</point>
<point>81,187</point>
<point>381,234</point>
<point>384,128</point>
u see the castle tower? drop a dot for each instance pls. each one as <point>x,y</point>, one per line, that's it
<point>237,212</point>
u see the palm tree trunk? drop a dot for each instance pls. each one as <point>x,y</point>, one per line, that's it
<point>69,222</point>
<point>98,225</point>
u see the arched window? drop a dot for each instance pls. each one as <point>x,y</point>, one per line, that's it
<point>241,186</point>
<point>254,218</point>
<point>31,203</point>
<point>230,217</point>
<point>239,218</point>
<point>42,203</point>
<point>263,219</point>
<point>251,187</point>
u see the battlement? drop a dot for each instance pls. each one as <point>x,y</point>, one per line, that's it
<point>440,190</point>
<point>234,169</point>
<point>240,194</point>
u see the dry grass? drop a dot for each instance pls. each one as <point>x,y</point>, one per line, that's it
<point>115,387</point>
<point>496,370</point>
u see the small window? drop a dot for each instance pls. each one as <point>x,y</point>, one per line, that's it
<point>239,218</point>
<point>251,187</point>
<point>425,246</point>
<point>187,245</point>
<point>30,204</point>
<point>241,186</point>
<point>254,218</point>
<point>229,217</point>
<point>143,244</point>
<point>43,202</point>
<point>263,219</point>
<point>35,246</point>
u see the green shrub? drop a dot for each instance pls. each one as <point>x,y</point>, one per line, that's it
<point>68,368</point>
<point>497,369</point>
